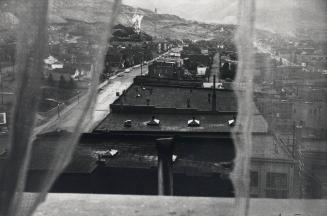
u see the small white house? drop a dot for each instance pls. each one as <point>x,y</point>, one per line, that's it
<point>201,70</point>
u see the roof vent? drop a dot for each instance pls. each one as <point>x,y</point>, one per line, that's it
<point>102,155</point>
<point>113,152</point>
<point>232,122</point>
<point>128,123</point>
<point>138,95</point>
<point>193,123</point>
<point>154,122</point>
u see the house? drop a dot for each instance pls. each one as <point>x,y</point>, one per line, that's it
<point>166,68</point>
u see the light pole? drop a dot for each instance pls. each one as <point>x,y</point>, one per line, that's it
<point>141,62</point>
<point>142,65</point>
<point>78,92</point>
<point>58,104</point>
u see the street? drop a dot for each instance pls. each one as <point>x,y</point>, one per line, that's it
<point>106,96</point>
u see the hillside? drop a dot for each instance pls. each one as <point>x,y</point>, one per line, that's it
<point>278,16</point>
<point>93,11</point>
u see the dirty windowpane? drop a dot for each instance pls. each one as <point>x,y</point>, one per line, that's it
<point>186,98</point>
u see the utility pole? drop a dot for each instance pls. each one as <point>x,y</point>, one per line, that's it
<point>58,105</point>
<point>214,97</point>
<point>142,65</point>
<point>293,139</point>
<point>1,84</point>
<point>78,92</point>
<point>58,109</point>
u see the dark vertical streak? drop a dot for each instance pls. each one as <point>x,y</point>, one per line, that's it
<point>30,52</point>
<point>65,148</point>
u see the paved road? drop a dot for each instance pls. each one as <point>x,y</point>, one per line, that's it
<point>106,96</point>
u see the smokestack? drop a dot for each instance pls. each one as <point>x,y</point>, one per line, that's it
<point>165,148</point>
<point>214,99</point>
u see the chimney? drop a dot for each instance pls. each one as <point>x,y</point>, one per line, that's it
<point>214,99</point>
<point>165,147</point>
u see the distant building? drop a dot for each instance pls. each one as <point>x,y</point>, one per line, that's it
<point>83,72</point>
<point>311,58</point>
<point>201,70</point>
<point>192,61</point>
<point>204,51</point>
<point>58,74</point>
<point>166,68</point>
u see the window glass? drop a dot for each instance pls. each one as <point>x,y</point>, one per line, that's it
<point>186,98</point>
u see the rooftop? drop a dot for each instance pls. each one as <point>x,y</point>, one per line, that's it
<point>168,122</point>
<point>174,107</point>
<point>177,97</point>
<point>141,153</point>
<point>175,123</point>
<point>193,155</point>
<point>45,149</point>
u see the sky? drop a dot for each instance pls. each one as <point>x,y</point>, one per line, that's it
<point>276,15</point>
<point>200,10</point>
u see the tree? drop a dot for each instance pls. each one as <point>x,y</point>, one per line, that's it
<point>102,77</point>
<point>50,80</point>
<point>225,72</point>
<point>62,82</point>
<point>71,84</point>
